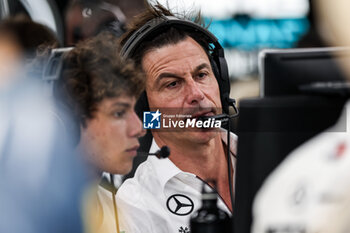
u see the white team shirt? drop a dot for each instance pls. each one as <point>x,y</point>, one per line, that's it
<point>160,197</point>
<point>310,191</point>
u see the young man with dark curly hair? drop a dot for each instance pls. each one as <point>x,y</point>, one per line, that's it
<point>99,91</point>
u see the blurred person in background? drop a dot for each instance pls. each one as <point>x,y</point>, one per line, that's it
<point>99,90</point>
<point>20,37</point>
<point>41,181</point>
<point>310,191</point>
<point>86,18</point>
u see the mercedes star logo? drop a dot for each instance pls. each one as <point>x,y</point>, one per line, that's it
<point>179,204</point>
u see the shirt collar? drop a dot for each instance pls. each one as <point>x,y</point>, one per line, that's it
<point>166,169</point>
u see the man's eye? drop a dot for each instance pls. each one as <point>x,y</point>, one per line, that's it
<point>119,114</point>
<point>202,75</point>
<point>172,84</point>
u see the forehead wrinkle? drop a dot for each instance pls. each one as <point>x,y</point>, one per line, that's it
<point>155,69</point>
<point>166,64</point>
<point>168,59</point>
<point>177,68</point>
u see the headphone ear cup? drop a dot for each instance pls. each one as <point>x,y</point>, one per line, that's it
<point>142,105</point>
<point>146,141</point>
<point>224,85</point>
<point>214,68</point>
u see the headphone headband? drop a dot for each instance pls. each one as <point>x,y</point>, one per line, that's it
<point>166,21</point>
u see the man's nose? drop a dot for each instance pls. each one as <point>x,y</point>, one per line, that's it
<point>135,127</point>
<point>194,93</point>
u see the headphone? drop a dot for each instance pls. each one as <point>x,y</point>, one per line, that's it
<point>53,68</point>
<point>217,59</point>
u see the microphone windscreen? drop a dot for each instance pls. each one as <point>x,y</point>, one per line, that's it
<point>164,152</point>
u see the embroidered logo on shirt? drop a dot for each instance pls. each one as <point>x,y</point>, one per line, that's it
<point>180,204</point>
<point>184,230</point>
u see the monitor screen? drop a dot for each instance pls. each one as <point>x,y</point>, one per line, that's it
<point>286,71</point>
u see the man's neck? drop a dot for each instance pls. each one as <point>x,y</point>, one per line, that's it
<point>198,158</point>
<point>207,161</point>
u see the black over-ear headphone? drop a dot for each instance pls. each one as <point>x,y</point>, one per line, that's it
<point>53,68</point>
<point>218,62</point>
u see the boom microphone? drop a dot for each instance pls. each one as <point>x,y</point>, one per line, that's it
<point>162,153</point>
<point>224,118</point>
<point>221,117</point>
